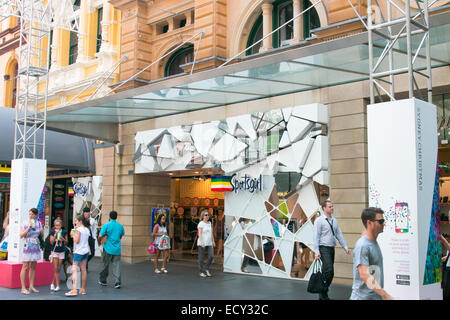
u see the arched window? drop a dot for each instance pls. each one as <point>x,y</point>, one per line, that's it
<point>255,34</point>
<point>180,57</point>
<point>283,11</point>
<point>14,85</point>
<point>99,29</point>
<point>310,20</point>
<point>11,84</point>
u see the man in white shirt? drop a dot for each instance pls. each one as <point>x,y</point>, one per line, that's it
<point>326,231</point>
<point>92,232</point>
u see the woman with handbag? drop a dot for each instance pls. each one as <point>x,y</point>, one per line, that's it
<point>31,230</point>
<point>58,241</point>
<point>161,242</point>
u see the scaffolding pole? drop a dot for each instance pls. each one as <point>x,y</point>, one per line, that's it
<point>403,36</point>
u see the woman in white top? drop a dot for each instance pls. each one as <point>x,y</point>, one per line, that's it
<point>205,243</point>
<point>160,230</point>
<point>80,253</point>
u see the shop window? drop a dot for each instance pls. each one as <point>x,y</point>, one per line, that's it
<point>180,57</point>
<point>99,29</point>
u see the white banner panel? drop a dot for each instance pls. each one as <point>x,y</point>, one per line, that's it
<point>402,159</point>
<point>27,182</point>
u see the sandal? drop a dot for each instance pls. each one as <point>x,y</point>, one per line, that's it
<point>25,291</point>
<point>34,290</point>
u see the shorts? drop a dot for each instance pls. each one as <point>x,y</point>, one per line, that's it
<point>80,257</point>
<point>58,255</point>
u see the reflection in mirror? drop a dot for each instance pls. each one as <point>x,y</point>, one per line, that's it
<point>277,262</point>
<point>302,260</point>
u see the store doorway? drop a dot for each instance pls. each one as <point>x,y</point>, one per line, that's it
<point>189,197</point>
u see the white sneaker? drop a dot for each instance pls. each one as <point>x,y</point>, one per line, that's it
<point>164,270</point>
<point>208,273</point>
<point>57,289</point>
<point>202,275</point>
<point>157,271</point>
<point>52,287</point>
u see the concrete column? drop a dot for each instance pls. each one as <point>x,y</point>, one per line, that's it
<point>107,27</point>
<point>267,26</point>
<point>55,47</point>
<point>83,40</point>
<point>298,23</point>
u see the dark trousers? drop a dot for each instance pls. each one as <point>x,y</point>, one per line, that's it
<point>327,257</point>
<point>201,258</point>
<point>113,260</point>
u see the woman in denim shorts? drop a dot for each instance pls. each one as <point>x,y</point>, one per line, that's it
<point>81,253</point>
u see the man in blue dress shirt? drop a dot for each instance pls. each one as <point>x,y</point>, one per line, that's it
<point>326,231</point>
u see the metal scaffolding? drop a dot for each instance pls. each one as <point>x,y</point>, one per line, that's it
<point>36,20</point>
<point>396,25</point>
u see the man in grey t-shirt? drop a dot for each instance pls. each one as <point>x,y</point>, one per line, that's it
<point>368,259</point>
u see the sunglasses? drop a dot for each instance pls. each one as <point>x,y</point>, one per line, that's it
<point>380,221</point>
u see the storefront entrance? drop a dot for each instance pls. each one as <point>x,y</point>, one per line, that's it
<point>189,197</point>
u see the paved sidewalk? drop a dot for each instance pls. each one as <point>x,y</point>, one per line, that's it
<point>139,282</point>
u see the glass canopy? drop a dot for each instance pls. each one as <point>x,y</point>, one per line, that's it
<point>316,66</point>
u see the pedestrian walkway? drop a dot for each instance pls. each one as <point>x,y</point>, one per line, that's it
<point>139,282</point>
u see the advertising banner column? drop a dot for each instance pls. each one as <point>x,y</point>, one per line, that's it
<point>27,184</point>
<point>403,181</point>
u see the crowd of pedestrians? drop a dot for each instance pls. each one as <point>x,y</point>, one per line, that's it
<point>84,235</point>
<point>368,268</point>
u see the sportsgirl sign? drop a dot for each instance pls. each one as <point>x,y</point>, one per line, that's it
<point>247,183</point>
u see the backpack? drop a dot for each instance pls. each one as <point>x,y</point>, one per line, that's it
<point>47,248</point>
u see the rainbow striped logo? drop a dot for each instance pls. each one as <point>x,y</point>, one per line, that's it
<point>221,183</point>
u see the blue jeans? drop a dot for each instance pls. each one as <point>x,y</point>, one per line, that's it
<point>327,257</point>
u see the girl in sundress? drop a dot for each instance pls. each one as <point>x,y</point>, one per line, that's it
<point>32,251</point>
